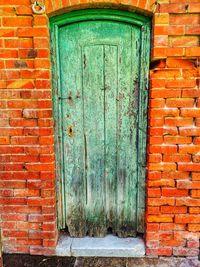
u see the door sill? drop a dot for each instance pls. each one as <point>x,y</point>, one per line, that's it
<point>108,246</point>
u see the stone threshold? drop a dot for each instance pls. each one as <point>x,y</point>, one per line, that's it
<point>108,246</point>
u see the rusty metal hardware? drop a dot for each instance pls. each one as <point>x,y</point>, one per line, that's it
<point>38,8</point>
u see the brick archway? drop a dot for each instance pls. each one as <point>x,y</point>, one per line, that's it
<point>141,6</point>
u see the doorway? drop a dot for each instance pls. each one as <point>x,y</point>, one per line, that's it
<point>100,81</point>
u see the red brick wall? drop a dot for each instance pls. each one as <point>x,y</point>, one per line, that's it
<point>27,169</point>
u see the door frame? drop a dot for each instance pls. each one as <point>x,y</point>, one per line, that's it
<point>144,23</point>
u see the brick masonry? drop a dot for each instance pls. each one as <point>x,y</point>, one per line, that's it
<point>27,167</point>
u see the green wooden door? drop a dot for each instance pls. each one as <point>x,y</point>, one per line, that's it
<point>99,63</point>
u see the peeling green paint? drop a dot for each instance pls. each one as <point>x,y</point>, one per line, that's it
<point>100,62</point>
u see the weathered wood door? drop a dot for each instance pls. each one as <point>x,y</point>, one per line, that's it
<point>99,75</point>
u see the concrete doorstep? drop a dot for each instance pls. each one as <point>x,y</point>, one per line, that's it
<point>109,246</point>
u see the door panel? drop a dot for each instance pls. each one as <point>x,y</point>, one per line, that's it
<point>99,70</point>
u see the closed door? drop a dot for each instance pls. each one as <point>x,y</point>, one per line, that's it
<point>99,64</point>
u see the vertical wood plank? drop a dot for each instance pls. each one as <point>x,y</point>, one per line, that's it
<point>127,133</point>
<point>93,88</point>
<point>142,123</point>
<point>111,93</point>
<point>72,130</point>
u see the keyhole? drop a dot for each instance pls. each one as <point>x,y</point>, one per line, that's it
<point>70,131</point>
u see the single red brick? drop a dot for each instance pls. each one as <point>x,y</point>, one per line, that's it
<point>191,52</point>
<point>155,140</point>
<point>157,83</point>
<point>196,193</point>
<point>40,167</point>
<point>162,182</point>
<point>196,141</point>
<point>156,131</point>
<point>13,201</point>
<point>196,176</point>
<point>24,140</point>
<point>172,192</point>
<point>154,175</point>
<point>182,102</point>
<point>152,236</point>
<point>49,226</point>
<point>26,192</point>
<point>195,210</point>
<point>17,21</point>
<point>8,53</point>
<point>180,83</point>
<point>177,158</point>
<point>7,32</point>
<point>166,73</point>
<point>23,122</point>
<point>190,93</point>
<point>158,52</point>
<point>156,122</point>
<point>11,43</point>
<point>4,140</point>
<point>29,242</point>
<point>187,218</point>
<point>155,112</point>
<point>161,201</point>
<point>161,18</point>
<point>185,252</point>
<point>41,42</point>
<point>159,252</point>
<point>46,140</point>
<point>171,227</point>
<point>49,243</point>
<point>157,103</point>
<point>175,51</point>
<point>161,40</point>
<point>177,140</point>
<point>183,19</point>
<point>6,193</point>
<point>154,192</point>
<point>163,166</point>
<point>153,210</point>
<point>183,41</point>
<point>188,202</point>
<point>23,10</point>
<point>194,7</point>
<point>190,149</point>
<point>28,226</point>
<point>189,131</point>
<point>189,167</point>
<point>168,209</point>
<point>32,32</point>
<point>14,217</point>
<point>180,63</point>
<point>188,74</point>
<point>40,21</point>
<point>164,149</point>
<point>172,243</point>
<point>154,158</point>
<point>194,227</point>
<point>15,233</point>
<point>193,244</point>
<point>184,184</point>
<point>152,227</point>
<point>42,63</point>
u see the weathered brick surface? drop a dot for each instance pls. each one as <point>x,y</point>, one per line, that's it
<point>27,167</point>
